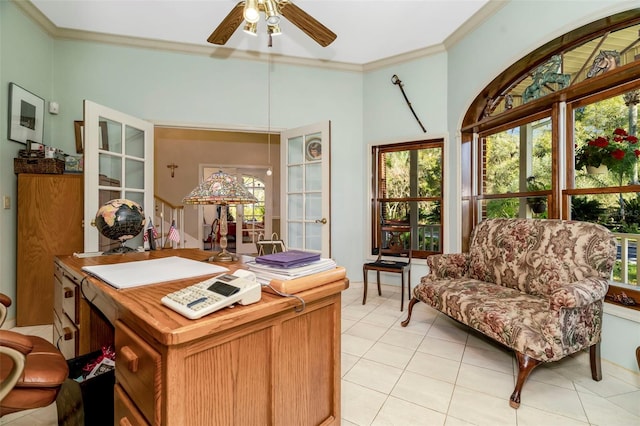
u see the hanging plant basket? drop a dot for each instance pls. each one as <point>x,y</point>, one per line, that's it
<point>602,169</point>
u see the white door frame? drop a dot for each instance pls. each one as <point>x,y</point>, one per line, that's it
<point>298,163</point>
<point>92,134</point>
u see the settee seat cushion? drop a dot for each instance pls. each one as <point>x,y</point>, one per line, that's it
<point>518,320</point>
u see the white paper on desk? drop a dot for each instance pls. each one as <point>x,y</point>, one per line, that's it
<point>144,272</point>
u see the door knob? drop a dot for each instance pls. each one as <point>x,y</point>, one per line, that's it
<point>322,221</point>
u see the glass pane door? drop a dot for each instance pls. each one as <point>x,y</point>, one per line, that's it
<point>118,164</point>
<point>306,154</point>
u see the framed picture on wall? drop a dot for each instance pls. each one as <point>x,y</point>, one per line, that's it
<point>79,132</point>
<point>313,149</point>
<point>26,115</point>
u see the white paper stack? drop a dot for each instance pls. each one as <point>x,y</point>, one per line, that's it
<point>265,273</point>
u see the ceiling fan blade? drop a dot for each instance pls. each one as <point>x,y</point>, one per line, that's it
<point>228,25</point>
<point>307,23</point>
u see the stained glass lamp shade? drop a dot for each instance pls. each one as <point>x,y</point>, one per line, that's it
<point>221,189</point>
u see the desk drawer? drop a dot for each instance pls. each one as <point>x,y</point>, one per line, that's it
<point>138,370</point>
<point>68,293</point>
<point>57,295</point>
<point>125,411</point>
<point>65,335</point>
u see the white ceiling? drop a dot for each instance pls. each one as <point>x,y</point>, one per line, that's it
<point>368,30</point>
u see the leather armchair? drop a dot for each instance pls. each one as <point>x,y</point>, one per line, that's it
<point>32,370</point>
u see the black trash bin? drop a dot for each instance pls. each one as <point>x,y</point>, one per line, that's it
<point>90,402</point>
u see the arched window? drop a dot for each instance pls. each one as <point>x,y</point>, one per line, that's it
<point>529,136</point>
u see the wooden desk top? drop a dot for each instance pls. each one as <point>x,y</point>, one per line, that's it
<point>142,304</point>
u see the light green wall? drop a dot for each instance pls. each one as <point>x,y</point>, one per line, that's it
<point>515,30</point>
<point>387,115</point>
<point>169,87</point>
<point>441,88</point>
<point>172,87</point>
<point>26,55</point>
<point>364,108</point>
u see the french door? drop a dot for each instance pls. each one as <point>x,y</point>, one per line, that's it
<point>118,163</point>
<point>306,188</point>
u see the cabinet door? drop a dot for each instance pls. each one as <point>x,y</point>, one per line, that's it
<point>49,224</point>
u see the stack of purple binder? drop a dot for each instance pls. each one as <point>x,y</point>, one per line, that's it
<point>288,259</point>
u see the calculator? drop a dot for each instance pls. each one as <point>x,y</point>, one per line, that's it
<point>213,294</point>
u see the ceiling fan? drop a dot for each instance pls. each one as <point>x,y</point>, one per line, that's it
<point>248,10</point>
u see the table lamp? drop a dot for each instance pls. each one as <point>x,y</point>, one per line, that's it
<point>221,189</point>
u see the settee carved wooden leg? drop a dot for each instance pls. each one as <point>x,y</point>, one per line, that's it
<point>526,364</point>
<point>412,302</point>
<point>364,296</point>
<point>594,360</point>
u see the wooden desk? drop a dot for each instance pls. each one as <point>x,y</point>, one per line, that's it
<point>260,364</point>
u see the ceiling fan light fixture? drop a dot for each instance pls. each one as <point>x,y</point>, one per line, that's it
<point>271,12</point>
<point>273,20</point>
<point>251,13</point>
<point>251,28</point>
<point>273,30</point>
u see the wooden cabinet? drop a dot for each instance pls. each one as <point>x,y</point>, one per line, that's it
<point>50,213</point>
<point>260,364</point>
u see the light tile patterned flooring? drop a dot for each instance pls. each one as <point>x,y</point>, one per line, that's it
<point>436,372</point>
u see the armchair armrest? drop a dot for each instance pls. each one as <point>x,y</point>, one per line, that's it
<point>15,341</point>
<point>15,346</point>
<point>5,300</point>
<point>449,265</point>
<point>19,361</point>
<point>578,294</point>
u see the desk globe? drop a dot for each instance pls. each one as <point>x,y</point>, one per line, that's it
<point>120,220</point>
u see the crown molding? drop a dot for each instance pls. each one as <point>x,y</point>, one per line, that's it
<point>404,57</point>
<point>226,53</point>
<point>479,18</point>
<point>467,27</point>
<point>139,42</point>
<point>34,13</point>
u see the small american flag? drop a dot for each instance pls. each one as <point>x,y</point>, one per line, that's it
<point>174,235</point>
<point>153,231</point>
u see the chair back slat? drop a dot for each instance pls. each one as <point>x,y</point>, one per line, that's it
<point>395,240</point>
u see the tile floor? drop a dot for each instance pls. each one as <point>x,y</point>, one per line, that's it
<point>436,372</point>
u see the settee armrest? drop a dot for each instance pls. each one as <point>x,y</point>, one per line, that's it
<point>448,265</point>
<point>579,293</point>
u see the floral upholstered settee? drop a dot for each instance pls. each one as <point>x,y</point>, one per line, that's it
<point>535,286</point>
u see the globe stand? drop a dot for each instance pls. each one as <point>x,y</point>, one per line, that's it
<point>120,250</point>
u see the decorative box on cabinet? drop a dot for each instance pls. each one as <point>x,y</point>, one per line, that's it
<point>50,212</point>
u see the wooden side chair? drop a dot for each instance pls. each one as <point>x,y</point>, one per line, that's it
<point>210,241</point>
<point>395,241</point>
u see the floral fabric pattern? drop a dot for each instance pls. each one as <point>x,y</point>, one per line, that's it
<point>536,286</point>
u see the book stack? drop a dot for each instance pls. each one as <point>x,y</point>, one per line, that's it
<point>294,270</point>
